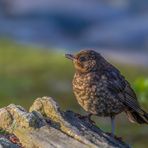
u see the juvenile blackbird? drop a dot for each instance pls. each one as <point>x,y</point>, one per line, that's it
<point>101,90</point>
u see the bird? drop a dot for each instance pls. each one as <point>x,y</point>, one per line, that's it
<point>101,89</point>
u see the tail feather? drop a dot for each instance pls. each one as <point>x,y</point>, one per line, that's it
<point>134,116</point>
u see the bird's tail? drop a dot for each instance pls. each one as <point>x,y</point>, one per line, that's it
<point>134,116</point>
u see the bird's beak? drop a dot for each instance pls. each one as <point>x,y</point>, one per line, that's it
<point>70,56</point>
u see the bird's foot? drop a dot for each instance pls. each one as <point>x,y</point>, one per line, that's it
<point>118,138</point>
<point>85,117</point>
<point>114,136</point>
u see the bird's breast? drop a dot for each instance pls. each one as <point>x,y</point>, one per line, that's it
<point>92,94</point>
<point>85,90</point>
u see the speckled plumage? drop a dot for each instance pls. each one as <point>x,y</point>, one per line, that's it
<point>101,90</point>
<point>91,93</point>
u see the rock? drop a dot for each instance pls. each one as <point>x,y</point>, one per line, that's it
<point>47,126</point>
<point>5,143</point>
<point>14,116</point>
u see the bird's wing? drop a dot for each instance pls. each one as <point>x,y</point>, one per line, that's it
<point>121,89</point>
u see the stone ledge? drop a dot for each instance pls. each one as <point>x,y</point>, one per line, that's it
<point>47,126</point>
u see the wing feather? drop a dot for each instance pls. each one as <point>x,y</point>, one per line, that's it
<point>122,90</point>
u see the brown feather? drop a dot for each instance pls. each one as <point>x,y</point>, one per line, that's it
<point>136,117</point>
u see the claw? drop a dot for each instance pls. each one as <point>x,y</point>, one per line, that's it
<point>86,117</point>
<point>114,136</point>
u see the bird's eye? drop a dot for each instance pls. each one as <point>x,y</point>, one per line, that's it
<point>82,59</point>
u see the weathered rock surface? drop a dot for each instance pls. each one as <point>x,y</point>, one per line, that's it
<point>47,126</point>
<point>5,143</point>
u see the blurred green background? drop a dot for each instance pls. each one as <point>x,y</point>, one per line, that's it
<point>35,35</point>
<point>28,72</point>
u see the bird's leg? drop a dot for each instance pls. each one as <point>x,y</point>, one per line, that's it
<point>113,129</point>
<point>113,125</point>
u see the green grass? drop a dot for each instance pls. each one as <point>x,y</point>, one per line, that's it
<point>27,72</point>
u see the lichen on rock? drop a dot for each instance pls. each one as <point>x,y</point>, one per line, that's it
<point>47,126</point>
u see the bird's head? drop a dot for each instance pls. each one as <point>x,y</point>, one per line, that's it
<point>85,60</point>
